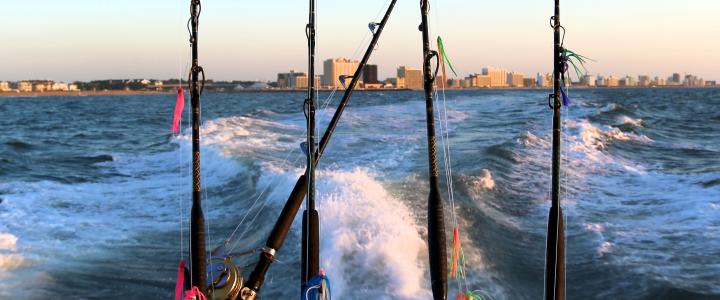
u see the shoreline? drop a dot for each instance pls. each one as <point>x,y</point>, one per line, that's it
<point>172,92</point>
<point>80,93</point>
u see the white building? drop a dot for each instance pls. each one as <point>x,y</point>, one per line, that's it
<point>336,67</point>
<point>588,80</point>
<point>59,86</point>
<point>498,77</point>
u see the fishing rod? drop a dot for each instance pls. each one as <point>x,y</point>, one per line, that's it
<point>311,220</point>
<point>282,226</point>
<point>436,222</point>
<point>555,248</point>
<point>197,220</point>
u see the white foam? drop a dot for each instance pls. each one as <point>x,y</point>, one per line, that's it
<point>630,121</point>
<point>367,233</point>
<point>82,216</point>
<point>8,242</point>
<point>594,227</point>
<point>529,139</point>
<point>10,262</point>
<point>485,180</point>
<point>599,137</point>
<point>239,135</point>
<point>605,248</point>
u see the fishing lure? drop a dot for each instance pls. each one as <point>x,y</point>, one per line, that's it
<point>445,59</point>
<point>576,60</point>
<point>179,106</point>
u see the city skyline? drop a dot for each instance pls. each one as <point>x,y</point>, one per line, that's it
<point>406,78</point>
<point>344,66</point>
<point>89,40</point>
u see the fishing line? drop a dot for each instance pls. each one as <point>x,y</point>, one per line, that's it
<point>442,117</point>
<point>323,114</point>
<point>321,118</point>
<point>183,193</point>
<point>445,138</point>
<point>458,262</point>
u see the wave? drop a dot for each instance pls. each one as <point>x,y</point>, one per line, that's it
<point>484,181</point>
<point>643,221</point>
<point>8,242</point>
<point>11,262</point>
<point>625,120</point>
<point>593,137</point>
<point>96,158</point>
<point>371,246</point>
<point>143,195</point>
<point>19,146</point>
<point>369,236</point>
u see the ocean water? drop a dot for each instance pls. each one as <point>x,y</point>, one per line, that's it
<point>95,192</point>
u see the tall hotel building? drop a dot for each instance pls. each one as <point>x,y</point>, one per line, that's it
<point>413,78</point>
<point>498,77</point>
<point>335,67</point>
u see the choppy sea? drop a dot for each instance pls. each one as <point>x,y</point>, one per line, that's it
<point>95,192</point>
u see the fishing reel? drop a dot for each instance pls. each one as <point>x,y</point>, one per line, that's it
<point>224,279</point>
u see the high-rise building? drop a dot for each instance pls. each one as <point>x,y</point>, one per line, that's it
<point>498,77</point>
<point>588,80</point>
<point>608,81</point>
<point>335,67</point>
<point>675,79</point>
<point>544,80</point>
<point>412,77</point>
<point>643,80</point>
<point>453,83</point>
<point>659,81</point>
<point>301,81</point>
<point>613,81</point>
<point>515,79</point>
<point>529,82</point>
<point>4,86</point>
<point>692,80</point>
<point>628,81</point>
<point>295,80</point>
<point>600,81</point>
<point>370,74</point>
<point>478,81</point>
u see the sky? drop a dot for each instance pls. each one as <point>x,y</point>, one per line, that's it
<point>254,40</point>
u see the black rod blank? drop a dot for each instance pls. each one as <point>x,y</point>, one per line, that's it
<point>197,220</point>
<point>436,219</point>
<point>555,248</point>
<point>311,221</point>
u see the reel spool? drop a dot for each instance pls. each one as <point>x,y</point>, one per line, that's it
<point>224,279</point>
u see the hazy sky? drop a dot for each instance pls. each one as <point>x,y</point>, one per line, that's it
<point>92,39</point>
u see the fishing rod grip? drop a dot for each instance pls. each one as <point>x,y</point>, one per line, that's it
<point>197,246</point>
<point>437,252</point>
<point>310,245</point>
<point>278,234</point>
<point>555,260</point>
